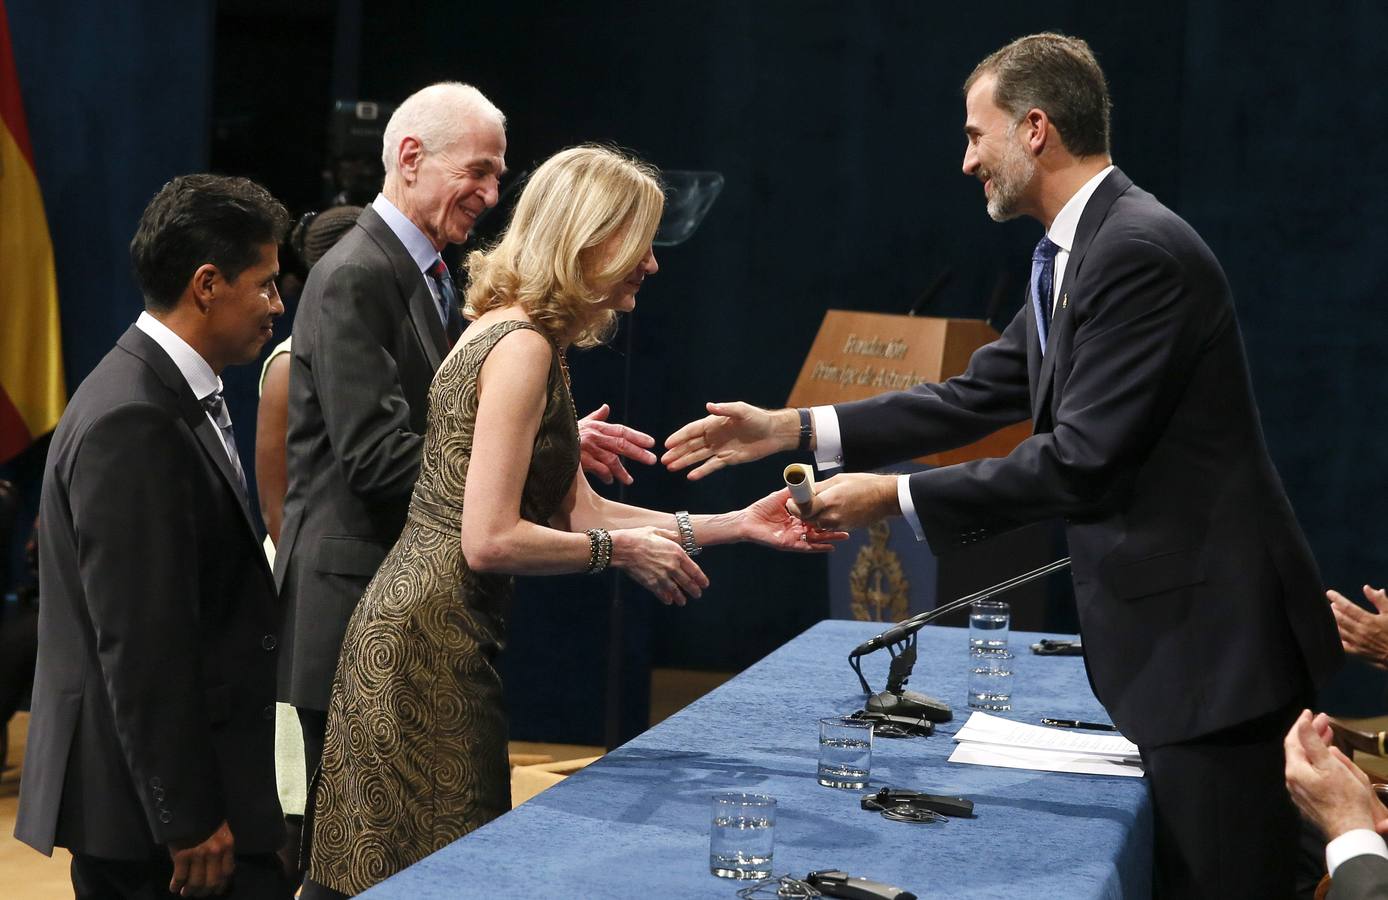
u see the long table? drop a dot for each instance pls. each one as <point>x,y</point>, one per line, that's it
<point>635,823</point>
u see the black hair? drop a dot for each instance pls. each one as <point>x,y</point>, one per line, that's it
<point>199,219</point>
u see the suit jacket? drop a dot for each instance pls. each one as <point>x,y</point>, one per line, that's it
<point>1199,600</point>
<point>367,341</point>
<point>1363,877</point>
<point>153,710</point>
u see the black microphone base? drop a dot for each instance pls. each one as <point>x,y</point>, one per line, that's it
<point>909,704</point>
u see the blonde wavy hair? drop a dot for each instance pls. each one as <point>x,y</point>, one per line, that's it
<point>548,259</point>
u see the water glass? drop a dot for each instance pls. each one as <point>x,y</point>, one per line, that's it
<point>989,623</point>
<point>742,836</point>
<point>845,753</point>
<point>990,680</point>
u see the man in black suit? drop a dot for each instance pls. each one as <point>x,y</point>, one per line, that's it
<point>1198,597</point>
<point>150,751</point>
<point>379,313</point>
<point>1335,796</point>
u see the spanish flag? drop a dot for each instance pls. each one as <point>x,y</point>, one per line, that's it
<point>32,394</point>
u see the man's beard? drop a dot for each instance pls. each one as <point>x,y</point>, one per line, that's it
<point>1011,177</point>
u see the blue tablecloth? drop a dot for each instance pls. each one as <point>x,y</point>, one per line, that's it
<point>635,824</point>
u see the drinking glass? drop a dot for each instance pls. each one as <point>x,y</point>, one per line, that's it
<point>989,622</point>
<point>742,835</point>
<point>845,752</point>
<point>990,680</point>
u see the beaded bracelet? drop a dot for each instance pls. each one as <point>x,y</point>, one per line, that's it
<point>599,550</point>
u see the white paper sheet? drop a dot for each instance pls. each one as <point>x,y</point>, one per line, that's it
<point>985,729</point>
<point>977,754</point>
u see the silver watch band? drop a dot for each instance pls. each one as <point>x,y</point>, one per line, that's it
<point>686,526</point>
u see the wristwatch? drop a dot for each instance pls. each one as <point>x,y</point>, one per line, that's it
<point>806,429</point>
<point>686,526</point>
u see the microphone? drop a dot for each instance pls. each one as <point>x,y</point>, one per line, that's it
<point>896,702</point>
<point>931,291</point>
<point>890,636</point>
<point>908,627</point>
<point>1001,291</point>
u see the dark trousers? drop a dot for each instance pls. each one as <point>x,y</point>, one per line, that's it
<point>1225,825</point>
<point>258,877</point>
<point>314,723</point>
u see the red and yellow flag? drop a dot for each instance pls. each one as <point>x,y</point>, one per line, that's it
<point>32,395</point>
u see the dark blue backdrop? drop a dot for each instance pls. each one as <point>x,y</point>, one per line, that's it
<point>838,128</point>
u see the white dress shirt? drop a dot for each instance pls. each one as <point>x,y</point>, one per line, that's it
<point>828,444</point>
<point>1062,230</point>
<point>201,379</point>
<point>1358,842</point>
<point>416,242</point>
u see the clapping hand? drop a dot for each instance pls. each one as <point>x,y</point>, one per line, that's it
<point>769,523</point>
<point>602,444</point>
<point>1332,792</point>
<point>1363,633</point>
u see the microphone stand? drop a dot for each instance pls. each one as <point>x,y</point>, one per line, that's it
<point>900,641</point>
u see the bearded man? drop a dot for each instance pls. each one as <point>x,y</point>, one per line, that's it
<point>1200,603</point>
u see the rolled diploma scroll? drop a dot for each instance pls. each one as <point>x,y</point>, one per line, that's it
<point>800,479</point>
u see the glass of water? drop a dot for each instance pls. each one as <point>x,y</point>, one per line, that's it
<point>845,752</point>
<point>989,623</point>
<point>742,836</point>
<point>990,680</point>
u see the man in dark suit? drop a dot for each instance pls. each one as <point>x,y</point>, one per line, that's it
<point>376,319</point>
<point>379,313</point>
<point>1335,796</point>
<point>150,751</point>
<point>1198,597</point>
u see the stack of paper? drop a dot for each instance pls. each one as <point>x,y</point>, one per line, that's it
<point>993,741</point>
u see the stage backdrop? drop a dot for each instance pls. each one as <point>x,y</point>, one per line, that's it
<point>838,128</point>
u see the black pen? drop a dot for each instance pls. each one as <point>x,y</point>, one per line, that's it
<point>1073,723</point>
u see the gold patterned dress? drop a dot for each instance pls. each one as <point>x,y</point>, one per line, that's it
<point>415,751</point>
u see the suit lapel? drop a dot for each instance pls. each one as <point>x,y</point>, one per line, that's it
<point>190,410</point>
<point>1046,376</point>
<point>1095,211</point>
<point>1033,344</point>
<point>419,303</point>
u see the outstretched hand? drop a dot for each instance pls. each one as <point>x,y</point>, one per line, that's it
<point>769,523</point>
<point>603,444</point>
<point>1362,633</point>
<point>1332,792</point>
<point>732,433</point>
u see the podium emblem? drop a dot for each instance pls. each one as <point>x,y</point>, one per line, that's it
<point>878,589</point>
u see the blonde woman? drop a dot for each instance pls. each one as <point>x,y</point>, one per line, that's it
<point>415,755</point>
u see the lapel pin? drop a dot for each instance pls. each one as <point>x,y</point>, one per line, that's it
<point>1064,299</point>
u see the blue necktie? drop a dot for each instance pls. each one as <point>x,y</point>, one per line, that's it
<point>216,408</point>
<point>448,302</point>
<point>1043,285</point>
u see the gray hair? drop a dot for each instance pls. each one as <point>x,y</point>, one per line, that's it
<point>1058,74</point>
<point>437,116</point>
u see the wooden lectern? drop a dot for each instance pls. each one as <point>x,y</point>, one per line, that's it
<point>860,354</point>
